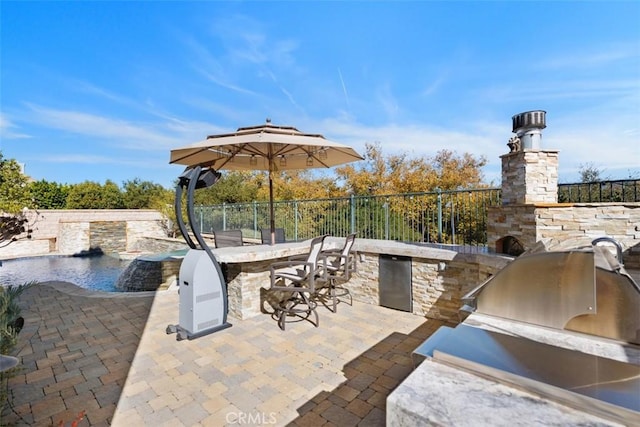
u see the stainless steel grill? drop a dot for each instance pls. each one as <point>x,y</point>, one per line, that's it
<point>550,322</point>
<point>585,290</point>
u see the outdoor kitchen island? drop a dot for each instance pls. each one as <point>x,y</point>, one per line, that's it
<point>439,277</point>
<point>438,393</point>
<point>552,339</point>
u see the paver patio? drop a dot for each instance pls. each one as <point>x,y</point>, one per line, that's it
<point>109,355</point>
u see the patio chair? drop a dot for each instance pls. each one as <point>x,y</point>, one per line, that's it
<point>339,265</point>
<point>266,235</point>
<point>296,280</point>
<point>228,238</point>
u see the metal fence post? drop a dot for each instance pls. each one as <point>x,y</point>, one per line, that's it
<point>439,200</point>
<point>295,220</point>
<point>386,219</point>
<point>255,219</point>
<point>352,207</point>
<point>453,224</point>
<point>224,216</point>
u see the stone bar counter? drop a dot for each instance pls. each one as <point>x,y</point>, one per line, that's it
<point>439,275</point>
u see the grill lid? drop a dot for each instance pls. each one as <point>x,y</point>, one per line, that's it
<point>583,290</point>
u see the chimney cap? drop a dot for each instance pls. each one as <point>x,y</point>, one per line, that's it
<point>534,119</point>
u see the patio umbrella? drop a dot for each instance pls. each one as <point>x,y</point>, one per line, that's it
<point>266,147</point>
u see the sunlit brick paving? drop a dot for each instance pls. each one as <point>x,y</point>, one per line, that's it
<point>111,360</point>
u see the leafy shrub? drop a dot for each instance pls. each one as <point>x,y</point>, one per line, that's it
<point>10,325</point>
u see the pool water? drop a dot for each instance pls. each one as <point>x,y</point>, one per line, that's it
<point>97,273</point>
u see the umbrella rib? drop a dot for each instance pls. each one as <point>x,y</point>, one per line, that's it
<point>237,149</point>
<point>189,155</point>
<point>227,160</point>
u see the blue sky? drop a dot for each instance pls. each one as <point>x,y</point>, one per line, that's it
<point>99,90</point>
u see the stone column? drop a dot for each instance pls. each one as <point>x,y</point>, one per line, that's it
<point>530,177</point>
<point>529,180</point>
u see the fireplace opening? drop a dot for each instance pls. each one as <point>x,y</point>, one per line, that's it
<point>509,245</point>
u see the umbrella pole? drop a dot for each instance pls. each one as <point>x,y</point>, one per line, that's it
<point>271,211</point>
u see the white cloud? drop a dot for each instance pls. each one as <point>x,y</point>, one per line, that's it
<point>590,140</point>
<point>598,56</point>
<point>7,129</point>
<point>89,159</point>
<point>433,86</point>
<point>158,136</point>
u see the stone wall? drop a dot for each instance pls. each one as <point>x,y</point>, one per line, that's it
<point>67,232</point>
<point>440,278</point>
<point>108,236</point>
<point>149,274</point>
<point>530,176</point>
<point>438,285</point>
<point>247,288</point>
<point>155,244</point>
<point>574,223</point>
<point>73,237</point>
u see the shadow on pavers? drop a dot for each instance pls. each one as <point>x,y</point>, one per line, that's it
<point>371,377</point>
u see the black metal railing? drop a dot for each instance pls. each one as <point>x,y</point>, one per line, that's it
<point>451,217</point>
<point>625,190</point>
<point>447,217</point>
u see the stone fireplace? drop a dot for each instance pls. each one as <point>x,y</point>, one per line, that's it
<point>530,213</point>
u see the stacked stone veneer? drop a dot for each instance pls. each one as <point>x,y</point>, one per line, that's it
<point>247,288</point>
<point>574,223</point>
<point>438,282</point>
<point>68,232</point>
<point>156,244</point>
<point>530,212</point>
<point>149,274</point>
<point>109,236</point>
<point>530,177</point>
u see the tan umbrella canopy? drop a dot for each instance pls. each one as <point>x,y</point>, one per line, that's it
<point>265,147</point>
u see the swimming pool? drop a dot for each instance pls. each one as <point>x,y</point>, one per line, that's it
<point>97,273</point>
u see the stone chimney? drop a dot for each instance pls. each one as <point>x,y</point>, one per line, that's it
<point>529,173</point>
<point>529,180</point>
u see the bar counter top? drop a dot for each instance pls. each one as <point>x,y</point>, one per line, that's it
<point>252,253</point>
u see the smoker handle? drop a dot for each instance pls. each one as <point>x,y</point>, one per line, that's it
<point>610,240</point>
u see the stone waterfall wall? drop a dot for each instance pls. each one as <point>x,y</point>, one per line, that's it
<point>68,232</point>
<point>109,236</point>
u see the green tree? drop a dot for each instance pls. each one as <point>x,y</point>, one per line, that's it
<point>300,185</point>
<point>49,195</point>
<point>164,204</point>
<point>92,195</point>
<point>232,187</point>
<point>400,173</point>
<point>14,188</point>
<point>16,219</point>
<point>111,196</point>
<point>589,172</point>
<point>385,175</point>
<point>139,194</point>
